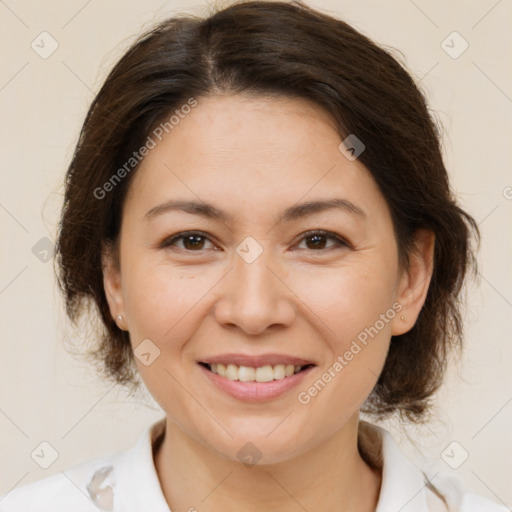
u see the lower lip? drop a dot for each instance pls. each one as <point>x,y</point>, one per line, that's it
<point>255,391</point>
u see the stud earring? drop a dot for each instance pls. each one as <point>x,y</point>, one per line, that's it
<point>119,317</point>
<point>402,317</point>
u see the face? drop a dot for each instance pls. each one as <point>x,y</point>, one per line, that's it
<point>281,257</point>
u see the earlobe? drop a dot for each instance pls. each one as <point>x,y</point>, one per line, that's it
<point>112,284</point>
<point>415,282</point>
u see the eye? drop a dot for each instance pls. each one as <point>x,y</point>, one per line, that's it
<point>192,241</point>
<point>195,241</point>
<point>317,240</point>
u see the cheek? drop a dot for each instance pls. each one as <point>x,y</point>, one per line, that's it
<point>347,299</point>
<point>165,305</point>
<point>158,298</point>
<point>353,309</point>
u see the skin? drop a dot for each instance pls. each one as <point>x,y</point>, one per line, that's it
<point>253,157</point>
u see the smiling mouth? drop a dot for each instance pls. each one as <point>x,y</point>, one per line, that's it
<point>265,373</point>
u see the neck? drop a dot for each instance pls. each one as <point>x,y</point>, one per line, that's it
<point>331,477</point>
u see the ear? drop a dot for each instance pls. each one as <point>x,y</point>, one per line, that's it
<point>414,282</point>
<point>112,284</point>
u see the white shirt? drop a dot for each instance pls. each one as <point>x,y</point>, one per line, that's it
<point>127,482</point>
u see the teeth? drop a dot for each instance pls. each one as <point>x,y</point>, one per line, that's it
<point>289,370</point>
<point>232,372</point>
<point>248,374</point>
<point>264,374</point>
<point>279,371</point>
<point>221,370</point>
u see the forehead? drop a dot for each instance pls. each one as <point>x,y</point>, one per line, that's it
<point>270,130</point>
<point>254,152</point>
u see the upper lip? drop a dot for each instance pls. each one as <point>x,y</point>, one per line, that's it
<point>256,361</point>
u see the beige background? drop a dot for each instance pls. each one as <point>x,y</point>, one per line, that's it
<point>46,395</point>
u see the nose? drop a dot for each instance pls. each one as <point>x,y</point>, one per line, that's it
<point>255,297</point>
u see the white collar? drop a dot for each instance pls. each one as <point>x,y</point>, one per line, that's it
<point>138,471</point>
<point>403,486</point>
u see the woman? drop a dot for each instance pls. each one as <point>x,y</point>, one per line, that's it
<point>259,211</point>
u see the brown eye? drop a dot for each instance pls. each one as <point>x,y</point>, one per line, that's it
<point>193,242</point>
<point>318,240</point>
<point>190,241</point>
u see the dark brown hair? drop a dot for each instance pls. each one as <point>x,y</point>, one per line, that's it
<point>290,50</point>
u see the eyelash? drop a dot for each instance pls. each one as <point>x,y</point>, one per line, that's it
<point>340,242</point>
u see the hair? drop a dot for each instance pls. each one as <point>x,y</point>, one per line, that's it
<point>277,49</point>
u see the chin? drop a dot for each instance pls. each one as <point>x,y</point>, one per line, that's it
<point>256,443</point>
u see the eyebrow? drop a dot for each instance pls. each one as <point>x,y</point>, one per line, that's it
<point>295,212</point>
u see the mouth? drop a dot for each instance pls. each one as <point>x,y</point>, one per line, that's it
<point>265,373</point>
<point>255,378</point>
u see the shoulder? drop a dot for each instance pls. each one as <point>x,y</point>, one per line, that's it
<point>60,491</point>
<point>408,489</point>
<point>457,498</point>
<point>81,488</point>
<point>122,482</point>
